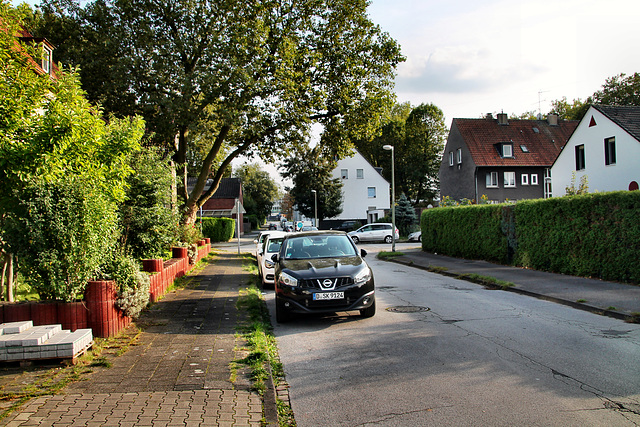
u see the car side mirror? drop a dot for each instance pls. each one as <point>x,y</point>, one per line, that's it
<point>363,253</point>
<point>255,241</point>
<point>274,258</point>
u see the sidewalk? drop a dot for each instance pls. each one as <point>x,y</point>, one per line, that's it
<point>617,300</point>
<point>178,374</point>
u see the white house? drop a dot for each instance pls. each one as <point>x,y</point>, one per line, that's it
<point>605,147</point>
<point>365,193</point>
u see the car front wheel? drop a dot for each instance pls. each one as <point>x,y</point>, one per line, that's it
<point>355,239</point>
<point>388,239</point>
<point>369,311</point>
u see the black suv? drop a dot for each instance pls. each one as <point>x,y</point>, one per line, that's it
<point>347,226</point>
<point>322,272</point>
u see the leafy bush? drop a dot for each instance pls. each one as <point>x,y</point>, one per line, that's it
<point>147,222</point>
<point>218,229</point>
<point>188,234</point>
<point>133,284</point>
<point>60,233</point>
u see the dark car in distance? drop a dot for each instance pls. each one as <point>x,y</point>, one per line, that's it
<point>322,272</point>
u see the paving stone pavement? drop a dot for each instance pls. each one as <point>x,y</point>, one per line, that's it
<point>177,375</point>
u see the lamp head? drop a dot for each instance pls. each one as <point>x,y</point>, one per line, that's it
<point>388,147</point>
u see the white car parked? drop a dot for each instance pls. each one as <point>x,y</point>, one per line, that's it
<point>271,246</point>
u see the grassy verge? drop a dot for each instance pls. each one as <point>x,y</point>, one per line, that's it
<point>262,359</point>
<point>386,255</point>
<point>490,282</point>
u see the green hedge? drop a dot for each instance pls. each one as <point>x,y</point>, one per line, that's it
<point>466,231</point>
<point>218,229</point>
<point>594,235</point>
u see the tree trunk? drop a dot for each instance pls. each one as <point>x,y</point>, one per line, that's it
<point>8,262</point>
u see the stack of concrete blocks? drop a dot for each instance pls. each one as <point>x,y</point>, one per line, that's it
<point>23,341</point>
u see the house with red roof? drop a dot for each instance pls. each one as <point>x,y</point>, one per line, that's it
<point>604,149</point>
<point>502,159</point>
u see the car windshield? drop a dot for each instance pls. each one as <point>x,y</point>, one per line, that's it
<point>307,247</point>
<point>274,244</point>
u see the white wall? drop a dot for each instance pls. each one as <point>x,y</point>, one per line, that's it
<point>355,195</point>
<point>600,177</point>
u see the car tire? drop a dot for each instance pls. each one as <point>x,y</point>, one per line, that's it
<point>388,239</point>
<point>420,238</point>
<point>282,314</point>
<point>369,311</point>
<point>355,239</point>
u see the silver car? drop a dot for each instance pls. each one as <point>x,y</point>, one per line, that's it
<point>376,232</point>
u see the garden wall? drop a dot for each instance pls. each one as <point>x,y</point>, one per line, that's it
<point>594,235</point>
<point>98,310</point>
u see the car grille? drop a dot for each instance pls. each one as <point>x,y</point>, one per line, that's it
<point>331,283</point>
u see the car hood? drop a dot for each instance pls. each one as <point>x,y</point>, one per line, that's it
<point>324,267</point>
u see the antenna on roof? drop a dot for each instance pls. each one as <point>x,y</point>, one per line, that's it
<point>540,92</point>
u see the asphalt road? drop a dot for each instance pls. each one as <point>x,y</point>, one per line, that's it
<point>441,351</point>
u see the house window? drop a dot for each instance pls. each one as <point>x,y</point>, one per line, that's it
<point>344,173</point>
<point>524,179</point>
<point>459,155</point>
<point>580,164</point>
<point>507,150</point>
<point>534,179</point>
<point>492,180</point>
<point>610,151</point>
<point>371,191</point>
<point>359,173</point>
<point>509,179</point>
<point>524,148</point>
<point>46,59</point>
<point>450,158</point>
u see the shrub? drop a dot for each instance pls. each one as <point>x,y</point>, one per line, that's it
<point>60,232</point>
<point>133,284</point>
<point>218,229</point>
<point>148,223</point>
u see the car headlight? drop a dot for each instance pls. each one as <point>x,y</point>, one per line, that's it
<point>363,277</point>
<point>288,280</point>
<point>269,263</point>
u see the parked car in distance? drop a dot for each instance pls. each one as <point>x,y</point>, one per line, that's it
<point>376,232</point>
<point>259,241</point>
<point>273,226</point>
<point>322,272</point>
<point>309,228</point>
<point>415,237</point>
<point>347,226</point>
<point>270,247</point>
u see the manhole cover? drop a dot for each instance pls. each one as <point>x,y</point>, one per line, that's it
<point>407,309</point>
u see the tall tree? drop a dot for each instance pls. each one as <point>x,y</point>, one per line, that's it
<point>311,170</point>
<point>260,72</point>
<point>570,110</point>
<point>259,188</point>
<point>418,137</point>
<point>619,90</point>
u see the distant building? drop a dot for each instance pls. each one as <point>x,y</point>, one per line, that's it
<point>500,158</point>
<point>365,193</point>
<point>605,148</point>
<point>223,201</point>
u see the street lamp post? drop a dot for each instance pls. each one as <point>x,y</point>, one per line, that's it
<point>393,198</point>
<point>315,203</point>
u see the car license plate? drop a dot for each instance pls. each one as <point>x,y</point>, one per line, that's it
<point>328,295</point>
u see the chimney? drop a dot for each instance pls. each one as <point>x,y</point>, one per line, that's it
<point>502,119</point>
<point>489,116</point>
<point>552,119</point>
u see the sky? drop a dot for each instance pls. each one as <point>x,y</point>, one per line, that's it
<point>470,58</point>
